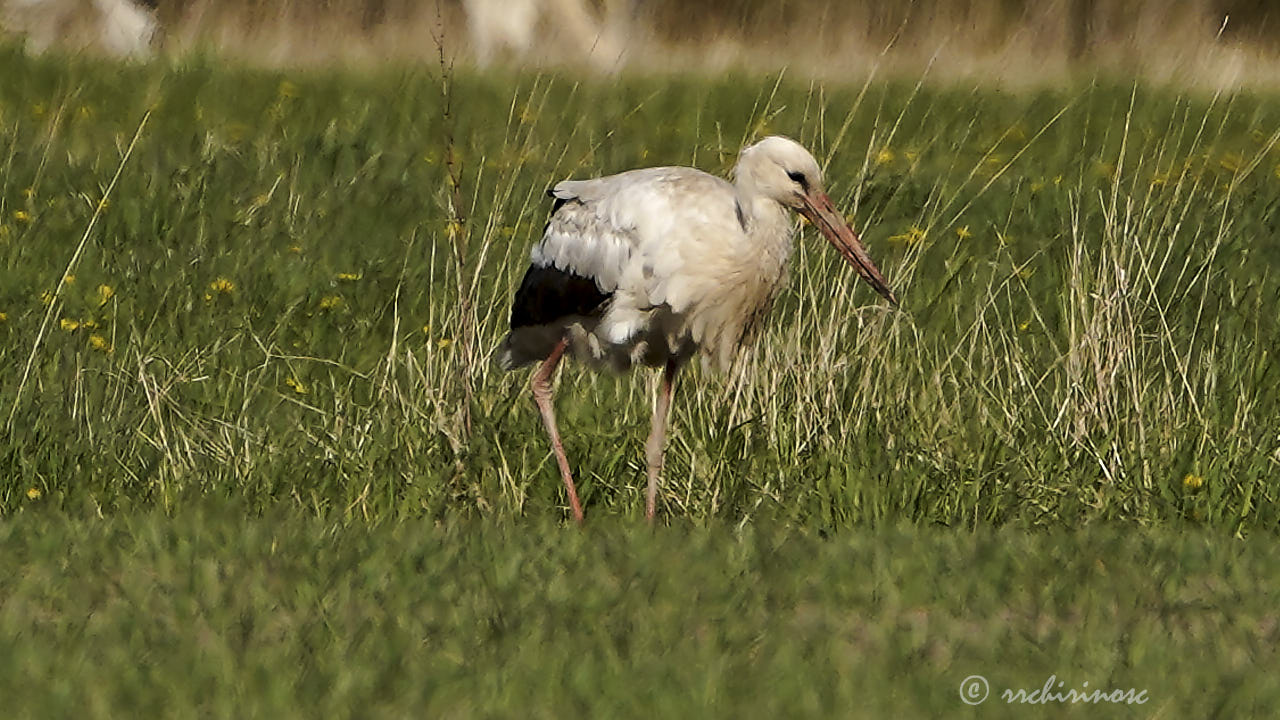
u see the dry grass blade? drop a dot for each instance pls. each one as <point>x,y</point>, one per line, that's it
<point>70,268</point>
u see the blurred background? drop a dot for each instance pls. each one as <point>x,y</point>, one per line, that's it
<point>1218,40</point>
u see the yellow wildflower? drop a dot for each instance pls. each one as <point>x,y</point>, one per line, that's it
<point>963,233</point>
<point>296,384</point>
<point>884,157</point>
<point>46,298</point>
<point>69,325</point>
<point>99,343</point>
<point>22,216</point>
<point>443,343</point>
<point>913,236</point>
<point>349,277</point>
<point>237,131</point>
<point>105,293</point>
<point>69,279</point>
<point>1024,326</point>
<point>89,324</point>
<point>295,248</point>
<point>1192,481</point>
<point>330,302</point>
<point>222,285</point>
<point>4,317</point>
<point>33,493</point>
<point>28,192</point>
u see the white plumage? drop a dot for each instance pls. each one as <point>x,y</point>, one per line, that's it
<point>649,266</point>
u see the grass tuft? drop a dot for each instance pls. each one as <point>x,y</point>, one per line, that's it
<point>289,292</point>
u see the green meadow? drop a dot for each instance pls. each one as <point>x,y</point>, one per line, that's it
<point>256,459</point>
<point>212,613</point>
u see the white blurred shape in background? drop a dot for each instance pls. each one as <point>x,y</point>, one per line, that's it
<point>519,29</point>
<point>118,28</point>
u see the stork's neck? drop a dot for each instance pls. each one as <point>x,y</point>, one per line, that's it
<point>767,223</point>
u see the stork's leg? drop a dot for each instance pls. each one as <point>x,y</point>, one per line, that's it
<point>658,436</point>
<point>542,396</point>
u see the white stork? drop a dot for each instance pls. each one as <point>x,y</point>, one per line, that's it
<point>650,266</point>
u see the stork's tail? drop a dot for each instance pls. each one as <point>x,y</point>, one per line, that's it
<point>505,356</point>
<point>527,345</point>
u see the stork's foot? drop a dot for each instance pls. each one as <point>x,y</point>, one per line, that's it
<point>653,454</point>
<point>541,386</point>
<point>653,448</point>
<point>573,496</point>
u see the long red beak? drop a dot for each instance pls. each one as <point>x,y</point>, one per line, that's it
<point>818,208</point>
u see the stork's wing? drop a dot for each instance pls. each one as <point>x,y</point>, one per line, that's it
<point>627,234</point>
<point>575,268</point>
<point>620,249</point>
<point>585,235</point>
<point>548,294</point>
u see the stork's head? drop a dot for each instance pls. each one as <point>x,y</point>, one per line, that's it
<point>779,169</point>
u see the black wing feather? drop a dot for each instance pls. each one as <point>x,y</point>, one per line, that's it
<point>548,294</point>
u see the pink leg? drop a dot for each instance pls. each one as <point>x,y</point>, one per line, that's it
<point>658,437</point>
<point>542,396</point>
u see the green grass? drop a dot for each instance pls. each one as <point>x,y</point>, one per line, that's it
<point>216,615</point>
<point>255,459</point>
<point>305,297</point>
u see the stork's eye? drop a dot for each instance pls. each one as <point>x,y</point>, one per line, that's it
<point>798,177</point>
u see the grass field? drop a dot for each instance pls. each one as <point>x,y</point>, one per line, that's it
<point>219,615</point>
<point>278,292</point>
